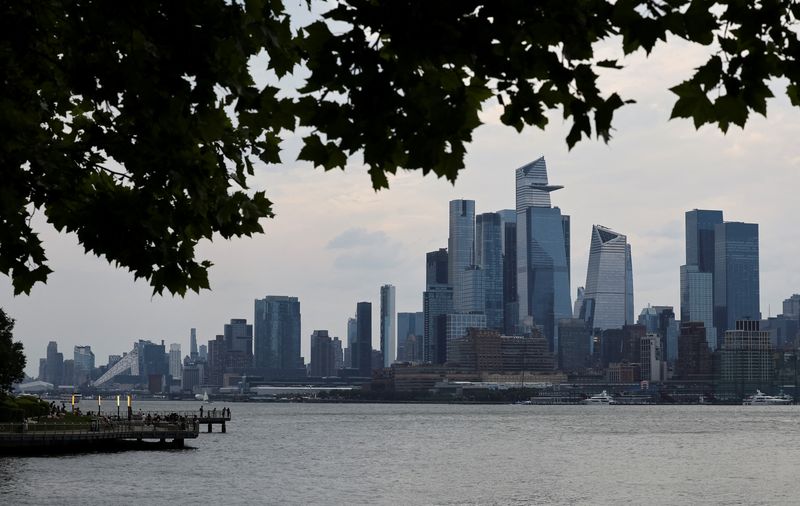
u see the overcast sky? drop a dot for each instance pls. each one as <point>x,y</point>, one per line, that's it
<point>334,241</point>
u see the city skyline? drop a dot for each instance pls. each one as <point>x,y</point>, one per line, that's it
<point>357,241</point>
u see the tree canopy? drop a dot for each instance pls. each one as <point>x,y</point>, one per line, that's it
<point>136,125</point>
<point>12,358</point>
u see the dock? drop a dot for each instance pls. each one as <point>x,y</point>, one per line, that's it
<point>99,434</point>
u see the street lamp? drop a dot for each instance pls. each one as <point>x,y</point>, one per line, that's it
<point>117,406</point>
<point>99,402</point>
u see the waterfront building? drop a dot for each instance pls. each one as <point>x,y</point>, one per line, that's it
<point>436,266</point>
<point>362,355</point>
<point>783,331</point>
<point>388,325</point>
<point>437,302</point>
<point>608,298</point>
<point>458,324</point>
<point>574,344</point>
<point>460,247</point>
<point>486,350</point>
<point>175,363</point>
<point>632,336</point>
<point>323,360</point>
<point>694,355</point>
<point>746,359</point>
<point>239,337</point>
<point>193,343</point>
<point>410,332</point>
<point>83,363</point>
<point>489,258</point>
<point>543,253</point>
<point>277,337</point>
<point>736,274</point>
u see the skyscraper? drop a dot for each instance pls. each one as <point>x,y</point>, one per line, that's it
<point>352,338</point>
<point>55,364</point>
<point>175,364</point>
<point>508,221</point>
<point>791,307</point>
<point>83,363</point>
<point>388,325</point>
<point>277,336</point>
<point>239,337</point>
<point>489,257</point>
<point>437,302</point>
<point>697,276</point>
<point>543,277</point>
<point>436,266</point>
<point>323,360</point>
<point>362,355</point>
<point>608,298</point>
<point>410,332</point>
<point>461,247</point>
<point>736,274</point>
<point>193,343</point>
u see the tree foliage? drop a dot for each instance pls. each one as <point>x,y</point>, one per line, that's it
<point>136,125</point>
<point>12,358</point>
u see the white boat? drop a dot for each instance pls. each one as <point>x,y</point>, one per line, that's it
<point>203,397</point>
<point>761,399</point>
<point>601,398</point>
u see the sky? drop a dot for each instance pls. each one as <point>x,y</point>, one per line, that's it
<point>335,241</point>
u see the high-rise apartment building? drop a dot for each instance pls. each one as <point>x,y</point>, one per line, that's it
<point>489,257</point>
<point>608,298</point>
<point>736,274</point>
<point>746,359</point>
<point>175,360</point>
<point>388,325</point>
<point>277,337</point>
<point>460,248</point>
<point>352,338</point>
<point>193,343</point>
<point>543,253</point>
<point>323,360</point>
<point>362,355</point>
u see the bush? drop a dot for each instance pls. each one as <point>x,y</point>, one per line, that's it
<point>16,409</point>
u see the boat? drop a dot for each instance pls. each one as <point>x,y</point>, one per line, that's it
<point>761,399</point>
<point>203,397</point>
<point>601,398</point>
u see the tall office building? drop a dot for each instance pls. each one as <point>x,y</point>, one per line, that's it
<point>694,355</point>
<point>791,307</point>
<point>574,344</point>
<point>175,363</point>
<point>472,290</point>
<point>508,223</point>
<point>323,360</point>
<point>746,358</point>
<point>608,298</point>
<point>460,248</point>
<point>660,320</point>
<point>576,310</point>
<point>489,257</point>
<point>437,302</point>
<point>277,337</point>
<point>436,266</point>
<point>410,332</point>
<point>736,274</point>
<point>543,259</point>
<point>352,338</point>
<point>239,337</point>
<point>55,364</point>
<point>83,363</point>
<point>362,354</point>
<point>697,275</point>
<point>388,325</point>
<point>193,343</point>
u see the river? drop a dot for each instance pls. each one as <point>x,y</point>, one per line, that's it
<point>439,454</point>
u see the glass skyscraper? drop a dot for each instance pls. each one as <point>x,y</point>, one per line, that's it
<point>697,276</point>
<point>388,325</point>
<point>460,248</point>
<point>362,354</point>
<point>489,256</point>
<point>437,302</point>
<point>608,297</point>
<point>543,277</point>
<point>736,275</point>
<point>277,336</point>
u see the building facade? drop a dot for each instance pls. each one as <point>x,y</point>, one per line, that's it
<point>388,325</point>
<point>746,359</point>
<point>410,335</point>
<point>277,337</point>
<point>460,247</point>
<point>736,274</point>
<point>608,297</point>
<point>437,302</point>
<point>489,257</point>
<point>543,252</point>
<point>362,355</point>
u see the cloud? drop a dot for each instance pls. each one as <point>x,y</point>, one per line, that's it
<point>357,237</point>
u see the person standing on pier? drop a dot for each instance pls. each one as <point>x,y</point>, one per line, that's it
<point>201,411</point>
